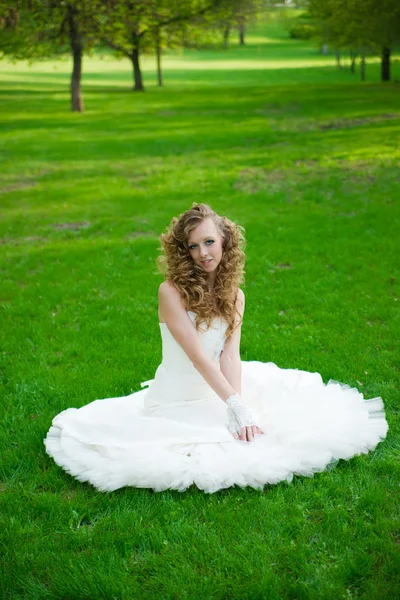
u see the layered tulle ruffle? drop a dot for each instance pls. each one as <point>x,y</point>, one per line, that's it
<point>309,426</point>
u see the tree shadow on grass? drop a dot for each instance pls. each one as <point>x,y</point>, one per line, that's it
<point>104,138</point>
<point>315,73</point>
<point>63,89</point>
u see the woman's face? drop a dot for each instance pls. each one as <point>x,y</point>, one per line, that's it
<point>205,245</point>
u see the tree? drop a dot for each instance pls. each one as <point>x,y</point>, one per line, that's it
<point>133,27</point>
<point>361,26</point>
<point>213,29</point>
<point>37,29</point>
<point>235,14</point>
<point>245,12</point>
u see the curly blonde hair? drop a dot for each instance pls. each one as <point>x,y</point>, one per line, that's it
<point>190,279</point>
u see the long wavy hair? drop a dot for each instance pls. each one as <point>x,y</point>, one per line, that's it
<point>190,279</point>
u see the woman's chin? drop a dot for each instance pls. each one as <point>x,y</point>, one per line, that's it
<point>209,268</point>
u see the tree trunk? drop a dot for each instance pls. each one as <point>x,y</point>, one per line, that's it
<point>362,67</point>
<point>158,55</point>
<point>77,51</point>
<point>337,56</point>
<point>227,30</point>
<point>385,64</point>
<point>242,31</point>
<point>137,73</point>
<point>353,56</point>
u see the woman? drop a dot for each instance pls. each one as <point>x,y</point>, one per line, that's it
<point>208,418</point>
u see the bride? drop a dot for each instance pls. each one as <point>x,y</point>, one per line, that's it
<point>208,418</point>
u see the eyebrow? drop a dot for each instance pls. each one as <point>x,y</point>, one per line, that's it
<point>205,238</point>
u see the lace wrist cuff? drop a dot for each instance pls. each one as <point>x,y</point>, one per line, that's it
<point>240,410</point>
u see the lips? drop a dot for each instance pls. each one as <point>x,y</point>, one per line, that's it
<point>206,262</point>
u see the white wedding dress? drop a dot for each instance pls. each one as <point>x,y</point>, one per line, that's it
<point>174,434</point>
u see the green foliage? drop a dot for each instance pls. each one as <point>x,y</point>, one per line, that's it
<point>303,31</point>
<point>135,25</point>
<point>358,23</point>
<point>28,33</point>
<point>41,30</point>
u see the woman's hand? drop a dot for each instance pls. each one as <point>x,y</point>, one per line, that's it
<point>247,434</point>
<point>241,423</point>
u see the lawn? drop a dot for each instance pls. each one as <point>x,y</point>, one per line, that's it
<point>306,158</point>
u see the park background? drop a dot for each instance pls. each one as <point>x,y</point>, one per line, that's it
<point>306,157</point>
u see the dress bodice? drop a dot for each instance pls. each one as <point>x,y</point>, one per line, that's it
<point>174,357</point>
<point>176,380</point>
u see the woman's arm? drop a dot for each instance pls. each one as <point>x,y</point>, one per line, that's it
<point>181,328</point>
<point>231,367</point>
<point>230,362</point>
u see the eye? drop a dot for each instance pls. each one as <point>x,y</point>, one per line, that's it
<point>208,242</point>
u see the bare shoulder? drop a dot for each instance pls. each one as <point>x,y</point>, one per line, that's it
<point>169,299</point>
<point>168,290</point>
<point>240,301</point>
<point>240,296</point>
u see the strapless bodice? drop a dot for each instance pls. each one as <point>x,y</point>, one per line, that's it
<point>174,357</point>
<point>176,380</point>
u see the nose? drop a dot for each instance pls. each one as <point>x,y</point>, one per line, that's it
<point>203,251</point>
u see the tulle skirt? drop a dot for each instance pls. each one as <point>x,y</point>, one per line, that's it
<point>308,426</point>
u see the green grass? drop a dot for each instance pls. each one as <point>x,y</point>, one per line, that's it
<point>306,158</point>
